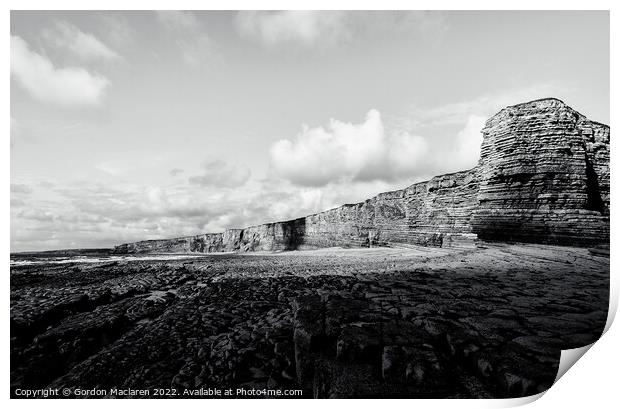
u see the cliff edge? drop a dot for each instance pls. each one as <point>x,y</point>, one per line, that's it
<point>542,177</point>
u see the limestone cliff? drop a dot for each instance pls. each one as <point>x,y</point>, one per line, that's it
<point>543,176</point>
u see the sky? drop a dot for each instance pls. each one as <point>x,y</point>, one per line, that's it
<point>129,126</point>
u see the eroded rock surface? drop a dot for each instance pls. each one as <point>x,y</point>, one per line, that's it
<point>382,322</point>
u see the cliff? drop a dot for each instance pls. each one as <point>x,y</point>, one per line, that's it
<point>543,177</point>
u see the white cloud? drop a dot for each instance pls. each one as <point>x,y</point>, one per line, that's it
<point>305,27</point>
<point>347,152</point>
<point>468,141</point>
<point>85,46</point>
<point>47,83</point>
<point>221,174</point>
<point>309,28</point>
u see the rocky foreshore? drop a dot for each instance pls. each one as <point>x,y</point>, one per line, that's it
<point>381,322</point>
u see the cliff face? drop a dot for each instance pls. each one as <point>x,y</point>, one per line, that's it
<point>436,212</point>
<point>543,176</point>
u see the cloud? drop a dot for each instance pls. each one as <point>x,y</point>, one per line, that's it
<point>347,152</point>
<point>105,214</point>
<point>196,46</point>
<point>85,46</point>
<point>319,169</point>
<point>37,215</point>
<point>468,141</point>
<point>176,172</point>
<point>310,28</point>
<point>101,215</point>
<point>20,188</point>
<point>221,174</point>
<point>455,127</point>
<point>133,203</point>
<point>304,27</point>
<point>69,86</point>
<point>15,202</point>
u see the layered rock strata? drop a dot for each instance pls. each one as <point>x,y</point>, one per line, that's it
<point>543,177</point>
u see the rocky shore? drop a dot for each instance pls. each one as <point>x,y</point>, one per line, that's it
<point>380,322</point>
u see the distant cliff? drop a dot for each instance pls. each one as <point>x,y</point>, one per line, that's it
<point>543,177</point>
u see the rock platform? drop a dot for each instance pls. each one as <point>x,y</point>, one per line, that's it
<point>381,322</point>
